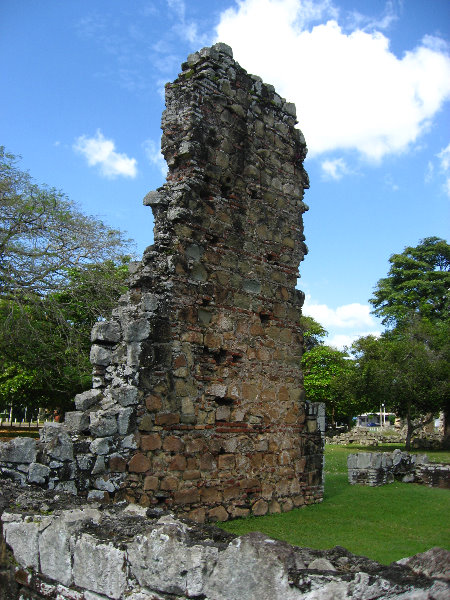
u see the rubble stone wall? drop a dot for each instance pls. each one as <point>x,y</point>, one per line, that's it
<point>197,402</point>
<point>379,468</point>
<point>54,548</point>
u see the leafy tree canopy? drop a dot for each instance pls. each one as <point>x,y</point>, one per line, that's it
<point>328,377</point>
<point>313,332</point>
<point>407,370</point>
<point>60,271</point>
<point>418,282</point>
<point>43,235</point>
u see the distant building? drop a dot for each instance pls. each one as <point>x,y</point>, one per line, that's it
<point>374,419</point>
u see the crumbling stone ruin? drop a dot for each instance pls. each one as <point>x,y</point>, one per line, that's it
<point>197,402</point>
<point>54,548</point>
<point>379,468</point>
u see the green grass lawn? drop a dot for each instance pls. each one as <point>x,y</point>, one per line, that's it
<point>384,523</point>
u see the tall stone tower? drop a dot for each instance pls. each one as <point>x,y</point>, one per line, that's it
<point>197,403</point>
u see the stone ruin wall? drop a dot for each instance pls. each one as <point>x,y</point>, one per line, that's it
<point>54,547</point>
<point>380,468</point>
<point>197,403</point>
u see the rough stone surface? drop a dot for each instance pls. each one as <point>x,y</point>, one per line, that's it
<point>379,468</point>
<point>18,450</point>
<point>83,552</point>
<point>197,391</point>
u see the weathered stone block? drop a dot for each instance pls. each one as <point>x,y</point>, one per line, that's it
<point>178,463</point>
<point>126,395</point>
<point>100,355</point>
<point>99,567</point>
<point>76,421</point>
<point>23,537</point>
<point>266,573</point>
<point>106,331</point>
<point>173,444</point>
<point>136,331</point>
<point>139,463</point>
<point>164,561</point>
<point>218,514</point>
<point>102,425</point>
<point>55,552</point>
<point>186,496</point>
<point>18,450</point>
<point>153,403</point>
<point>117,463</point>
<point>101,445</point>
<point>38,473</point>
<point>126,420</point>
<point>151,442</point>
<point>87,399</point>
<point>169,483</point>
<point>167,419</point>
<point>151,483</point>
<point>58,444</point>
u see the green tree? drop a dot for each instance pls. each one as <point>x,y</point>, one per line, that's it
<point>313,332</point>
<point>43,235</point>
<point>328,377</point>
<point>60,271</point>
<point>407,370</point>
<point>45,357</point>
<point>418,282</point>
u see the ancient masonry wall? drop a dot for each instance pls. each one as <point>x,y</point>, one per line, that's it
<point>52,547</point>
<point>197,402</point>
<point>379,468</point>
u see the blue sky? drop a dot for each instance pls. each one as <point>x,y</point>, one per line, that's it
<point>82,94</point>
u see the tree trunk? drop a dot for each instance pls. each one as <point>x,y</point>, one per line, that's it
<point>409,430</point>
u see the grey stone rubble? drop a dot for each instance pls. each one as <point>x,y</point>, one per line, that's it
<point>125,552</point>
<point>379,468</point>
<point>373,436</point>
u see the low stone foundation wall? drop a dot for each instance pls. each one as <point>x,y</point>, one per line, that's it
<point>55,548</point>
<point>379,468</point>
<point>373,436</point>
<point>366,437</point>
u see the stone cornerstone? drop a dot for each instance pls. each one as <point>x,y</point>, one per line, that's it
<point>197,403</point>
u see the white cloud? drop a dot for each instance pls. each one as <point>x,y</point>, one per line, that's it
<point>102,152</point>
<point>444,157</point>
<point>186,30</point>
<point>390,183</point>
<point>429,173</point>
<point>178,7</point>
<point>365,22</point>
<point>335,169</point>
<point>345,323</point>
<point>348,315</point>
<point>155,156</point>
<point>351,91</point>
<point>341,340</point>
